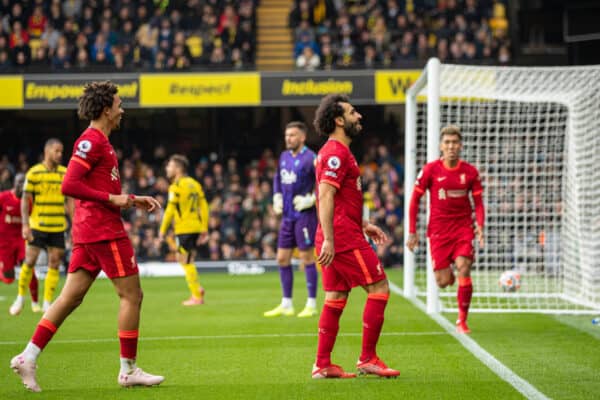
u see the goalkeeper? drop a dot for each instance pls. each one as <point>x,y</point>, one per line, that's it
<point>294,199</point>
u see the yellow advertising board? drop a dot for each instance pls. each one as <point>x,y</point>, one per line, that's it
<point>11,94</point>
<point>194,90</point>
<point>391,86</point>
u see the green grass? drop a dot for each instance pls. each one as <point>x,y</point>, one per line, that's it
<point>560,356</point>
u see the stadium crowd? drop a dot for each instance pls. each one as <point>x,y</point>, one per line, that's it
<point>125,35</point>
<point>332,34</point>
<point>242,224</point>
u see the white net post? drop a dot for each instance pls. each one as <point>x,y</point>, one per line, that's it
<point>534,134</point>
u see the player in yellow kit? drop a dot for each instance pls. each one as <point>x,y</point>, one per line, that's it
<point>44,222</point>
<point>188,208</point>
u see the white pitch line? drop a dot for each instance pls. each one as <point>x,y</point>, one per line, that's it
<point>505,373</point>
<point>219,337</point>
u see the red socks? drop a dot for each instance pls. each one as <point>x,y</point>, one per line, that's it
<point>128,340</point>
<point>329,324</point>
<point>463,297</point>
<point>372,323</point>
<point>43,333</point>
<point>33,288</point>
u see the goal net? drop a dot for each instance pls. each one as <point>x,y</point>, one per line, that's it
<point>534,135</point>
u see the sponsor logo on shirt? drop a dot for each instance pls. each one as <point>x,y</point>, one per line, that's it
<point>334,162</point>
<point>288,177</point>
<point>331,174</point>
<point>442,194</point>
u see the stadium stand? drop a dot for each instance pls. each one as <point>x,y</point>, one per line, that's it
<point>398,33</point>
<point>97,36</point>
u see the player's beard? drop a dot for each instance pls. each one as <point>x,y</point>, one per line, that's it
<point>352,129</point>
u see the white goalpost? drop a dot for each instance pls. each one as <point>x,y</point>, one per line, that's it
<point>534,135</point>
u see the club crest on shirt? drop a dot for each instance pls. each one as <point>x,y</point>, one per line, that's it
<point>358,184</point>
<point>333,162</point>
<point>463,179</point>
<point>114,174</point>
<point>83,148</point>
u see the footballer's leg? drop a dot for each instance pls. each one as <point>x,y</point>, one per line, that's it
<point>329,324</point>
<point>307,257</point>
<point>27,269</point>
<point>369,362</point>
<point>130,294</point>
<point>55,255</point>
<point>25,364</point>
<point>186,255</point>
<point>464,292</point>
<point>304,233</point>
<point>286,278</point>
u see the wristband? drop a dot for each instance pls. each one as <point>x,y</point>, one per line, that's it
<point>132,197</point>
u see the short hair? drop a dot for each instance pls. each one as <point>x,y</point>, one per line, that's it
<point>329,109</point>
<point>297,124</point>
<point>180,160</point>
<point>19,177</point>
<point>51,142</point>
<point>96,96</point>
<point>451,130</point>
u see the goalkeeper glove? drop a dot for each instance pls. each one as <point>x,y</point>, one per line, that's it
<point>278,203</point>
<point>303,202</point>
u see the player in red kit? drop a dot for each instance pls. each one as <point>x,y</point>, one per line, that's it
<point>100,241</point>
<point>450,228</point>
<point>12,245</point>
<point>347,258</point>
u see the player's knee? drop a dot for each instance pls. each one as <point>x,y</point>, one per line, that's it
<point>283,261</point>
<point>379,287</point>
<point>442,281</point>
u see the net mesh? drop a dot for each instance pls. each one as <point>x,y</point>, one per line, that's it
<point>534,135</point>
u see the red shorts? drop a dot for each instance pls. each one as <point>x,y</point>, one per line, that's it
<point>359,267</point>
<point>11,255</point>
<point>115,257</point>
<point>446,249</point>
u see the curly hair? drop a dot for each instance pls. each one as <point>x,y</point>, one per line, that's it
<point>96,96</point>
<point>329,109</point>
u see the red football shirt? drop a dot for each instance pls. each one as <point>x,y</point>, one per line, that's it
<point>96,221</point>
<point>10,217</point>
<point>337,166</point>
<point>450,204</point>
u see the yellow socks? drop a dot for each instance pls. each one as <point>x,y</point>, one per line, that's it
<point>24,279</point>
<point>50,284</point>
<point>191,277</point>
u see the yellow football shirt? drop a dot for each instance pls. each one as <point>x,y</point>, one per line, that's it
<point>187,206</point>
<point>48,208</point>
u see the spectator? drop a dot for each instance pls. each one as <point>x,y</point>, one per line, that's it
<point>308,60</point>
<point>37,22</point>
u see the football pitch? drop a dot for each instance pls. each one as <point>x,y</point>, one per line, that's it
<point>226,349</point>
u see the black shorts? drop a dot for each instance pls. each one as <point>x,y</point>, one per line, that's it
<point>187,242</point>
<point>44,240</point>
